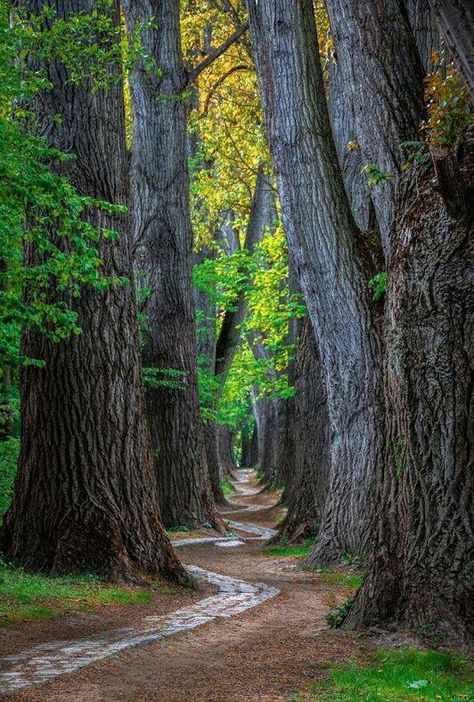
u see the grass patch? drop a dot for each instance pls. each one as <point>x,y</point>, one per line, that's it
<point>338,578</point>
<point>227,487</point>
<point>398,676</point>
<point>35,596</point>
<point>284,550</point>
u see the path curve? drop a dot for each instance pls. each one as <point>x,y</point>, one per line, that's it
<point>50,660</point>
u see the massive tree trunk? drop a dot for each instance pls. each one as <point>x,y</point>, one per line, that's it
<point>85,493</point>
<point>421,569</point>
<point>456,21</point>
<point>307,490</point>
<point>330,257</point>
<point>163,245</point>
<point>383,76</point>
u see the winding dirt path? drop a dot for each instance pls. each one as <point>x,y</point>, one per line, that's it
<point>255,640</point>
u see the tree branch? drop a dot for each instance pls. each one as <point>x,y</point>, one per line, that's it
<point>209,60</point>
<point>218,83</point>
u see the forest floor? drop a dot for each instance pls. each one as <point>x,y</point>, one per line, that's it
<point>266,652</point>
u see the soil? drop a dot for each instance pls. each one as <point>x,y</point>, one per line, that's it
<point>262,655</point>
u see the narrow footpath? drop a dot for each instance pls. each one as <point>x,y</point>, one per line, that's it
<point>258,636</point>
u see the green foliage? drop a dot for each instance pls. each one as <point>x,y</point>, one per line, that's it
<point>39,209</point>
<point>227,487</point>
<point>337,613</point>
<point>379,285</point>
<point>448,106</point>
<point>172,378</point>
<point>398,676</point>
<point>263,278</point>
<point>224,277</point>
<point>32,595</point>
<point>338,578</point>
<point>374,175</point>
<point>178,529</point>
<point>9,451</point>
<point>417,152</point>
<point>353,561</point>
<point>300,551</point>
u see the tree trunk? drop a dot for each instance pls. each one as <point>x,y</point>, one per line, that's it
<point>331,261</point>
<point>245,444</point>
<point>456,21</point>
<point>85,493</point>
<point>283,443</point>
<point>383,76</point>
<point>343,124</point>
<point>226,451</point>
<point>211,434</point>
<point>163,245</point>
<point>249,448</point>
<point>306,494</point>
<point>421,569</point>
<point>263,412</point>
<point>425,31</point>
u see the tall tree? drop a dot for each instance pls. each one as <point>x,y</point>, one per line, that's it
<point>85,493</point>
<point>412,491</point>
<point>310,430</point>
<point>331,258</point>
<point>368,56</point>
<point>163,242</point>
<point>421,565</point>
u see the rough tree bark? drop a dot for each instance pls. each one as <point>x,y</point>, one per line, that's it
<point>456,21</point>
<point>421,571</point>
<point>341,115</point>
<point>425,31</point>
<point>331,260</point>
<point>163,245</point>
<point>306,493</point>
<point>383,78</point>
<point>85,493</point>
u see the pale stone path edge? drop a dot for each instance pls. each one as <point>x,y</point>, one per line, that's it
<point>50,660</point>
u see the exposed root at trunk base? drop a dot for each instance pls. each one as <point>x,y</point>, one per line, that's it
<point>433,621</point>
<point>294,533</point>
